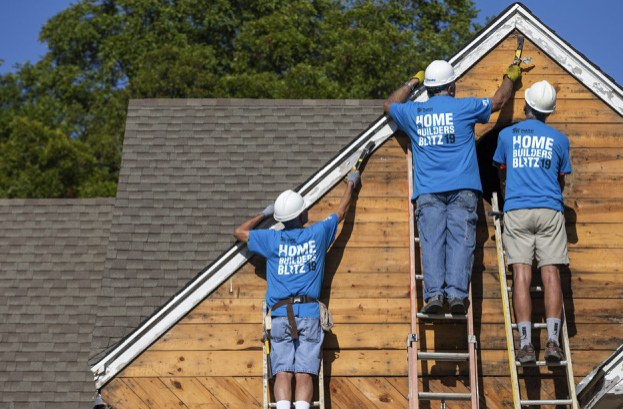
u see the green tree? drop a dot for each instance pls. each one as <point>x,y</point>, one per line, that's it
<point>104,52</point>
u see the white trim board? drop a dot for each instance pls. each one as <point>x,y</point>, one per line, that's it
<point>515,17</point>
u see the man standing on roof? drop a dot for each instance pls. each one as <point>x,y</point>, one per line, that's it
<point>446,181</point>
<point>295,261</point>
<point>532,160</point>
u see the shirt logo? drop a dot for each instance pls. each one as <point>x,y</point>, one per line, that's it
<point>424,110</point>
<point>532,151</point>
<point>297,259</point>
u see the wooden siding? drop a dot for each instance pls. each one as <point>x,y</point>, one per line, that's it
<point>212,358</point>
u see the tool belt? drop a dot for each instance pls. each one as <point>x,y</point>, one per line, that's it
<point>326,320</point>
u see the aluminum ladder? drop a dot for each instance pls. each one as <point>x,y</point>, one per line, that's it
<point>509,327</point>
<point>266,376</point>
<point>413,355</point>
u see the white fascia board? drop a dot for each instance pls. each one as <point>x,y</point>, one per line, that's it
<point>570,60</point>
<point>115,361</point>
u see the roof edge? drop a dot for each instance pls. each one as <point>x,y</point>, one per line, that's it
<point>234,102</point>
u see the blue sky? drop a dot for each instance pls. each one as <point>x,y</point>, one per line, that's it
<point>590,26</point>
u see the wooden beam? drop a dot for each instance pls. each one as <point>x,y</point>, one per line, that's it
<point>396,311</point>
<point>377,209</point>
<point>241,337</point>
<point>354,285</point>
<point>356,260</point>
<point>369,311</point>
<point>249,363</point>
<point>378,184</point>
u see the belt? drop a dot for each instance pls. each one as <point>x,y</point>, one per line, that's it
<point>299,299</point>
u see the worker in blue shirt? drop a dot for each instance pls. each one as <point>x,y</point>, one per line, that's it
<point>446,180</point>
<point>295,262</point>
<point>532,159</point>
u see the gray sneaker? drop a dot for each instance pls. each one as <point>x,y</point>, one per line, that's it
<point>553,352</point>
<point>434,305</point>
<point>457,306</point>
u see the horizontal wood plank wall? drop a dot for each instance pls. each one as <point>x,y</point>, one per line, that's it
<point>593,284</point>
<point>212,358</point>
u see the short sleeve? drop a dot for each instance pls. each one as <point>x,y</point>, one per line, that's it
<point>330,225</point>
<point>482,109</point>
<point>260,241</point>
<point>499,158</point>
<point>398,113</point>
<point>565,163</point>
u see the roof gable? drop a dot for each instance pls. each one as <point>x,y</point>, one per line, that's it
<point>516,17</point>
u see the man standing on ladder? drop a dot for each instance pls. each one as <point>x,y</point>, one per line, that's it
<point>446,181</point>
<point>532,160</point>
<point>295,261</point>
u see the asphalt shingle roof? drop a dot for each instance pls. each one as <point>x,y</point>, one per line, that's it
<point>52,255</point>
<point>193,170</point>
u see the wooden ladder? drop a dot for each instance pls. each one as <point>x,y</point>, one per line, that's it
<point>413,355</point>
<point>267,376</point>
<point>509,326</point>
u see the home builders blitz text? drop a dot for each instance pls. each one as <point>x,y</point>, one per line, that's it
<point>297,259</point>
<point>531,151</point>
<point>437,128</point>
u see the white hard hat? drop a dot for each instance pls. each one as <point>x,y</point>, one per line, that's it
<point>288,206</point>
<point>439,73</point>
<point>541,97</point>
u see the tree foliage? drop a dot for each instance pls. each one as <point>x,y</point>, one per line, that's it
<point>62,119</point>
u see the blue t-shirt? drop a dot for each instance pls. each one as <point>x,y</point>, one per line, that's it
<point>294,263</point>
<point>534,154</point>
<point>441,131</point>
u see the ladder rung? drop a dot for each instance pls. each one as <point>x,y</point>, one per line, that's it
<point>538,288</point>
<point>444,396</point>
<point>314,404</point>
<point>538,325</point>
<point>416,239</point>
<point>419,277</point>
<point>442,356</point>
<point>442,316</point>
<point>546,402</point>
<point>542,363</point>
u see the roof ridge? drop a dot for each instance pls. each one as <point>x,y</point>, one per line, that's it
<point>225,102</point>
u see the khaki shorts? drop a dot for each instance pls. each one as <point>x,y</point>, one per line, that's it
<point>540,232</point>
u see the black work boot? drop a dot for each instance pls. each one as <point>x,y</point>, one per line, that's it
<point>526,355</point>
<point>434,305</point>
<point>553,352</point>
<point>457,306</point>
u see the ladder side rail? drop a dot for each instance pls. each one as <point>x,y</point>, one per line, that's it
<point>412,349</point>
<point>510,341</point>
<point>471,346</point>
<point>321,382</point>
<point>569,368</point>
<point>265,374</point>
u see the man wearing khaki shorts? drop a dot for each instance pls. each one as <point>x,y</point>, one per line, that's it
<point>533,159</point>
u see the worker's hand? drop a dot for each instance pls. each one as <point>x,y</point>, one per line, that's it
<point>420,77</point>
<point>354,177</point>
<point>513,72</point>
<point>270,209</point>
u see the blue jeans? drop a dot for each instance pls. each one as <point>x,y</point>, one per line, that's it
<point>446,224</point>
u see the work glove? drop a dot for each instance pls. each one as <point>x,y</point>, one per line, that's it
<point>419,76</point>
<point>270,209</point>
<point>513,72</point>
<point>354,177</point>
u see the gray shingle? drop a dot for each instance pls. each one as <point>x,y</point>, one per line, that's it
<point>52,258</point>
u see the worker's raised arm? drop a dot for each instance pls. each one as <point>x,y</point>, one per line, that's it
<point>402,93</point>
<point>351,184</point>
<point>242,232</point>
<point>502,95</point>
